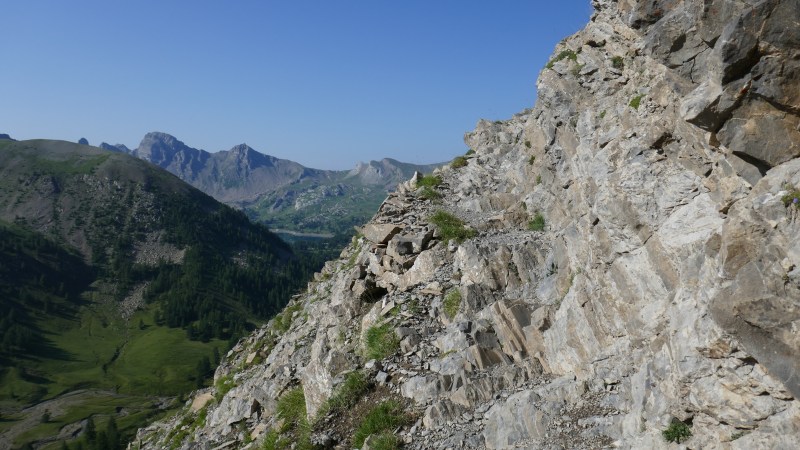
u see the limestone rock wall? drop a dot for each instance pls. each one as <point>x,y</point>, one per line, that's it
<point>661,285</point>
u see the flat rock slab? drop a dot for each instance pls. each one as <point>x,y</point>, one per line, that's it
<point>200,401</point>
<point>380,233</point>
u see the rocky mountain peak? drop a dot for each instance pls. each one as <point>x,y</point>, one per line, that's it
<point>615,267</point>
<point>160,148</point>
<point>247,156</point>
<point>120,148</point>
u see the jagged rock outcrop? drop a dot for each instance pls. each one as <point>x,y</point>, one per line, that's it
<point>632,264</point>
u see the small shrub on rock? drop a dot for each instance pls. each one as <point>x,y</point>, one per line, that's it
<point>537,223</point>
<point>676,432</point>
<point>565,54</point>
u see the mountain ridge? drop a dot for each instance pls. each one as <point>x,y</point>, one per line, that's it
<point>278,192</point>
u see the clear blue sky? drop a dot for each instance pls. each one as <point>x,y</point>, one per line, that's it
<point>324,83</point>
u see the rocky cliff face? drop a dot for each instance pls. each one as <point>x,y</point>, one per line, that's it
<point>627,263</point>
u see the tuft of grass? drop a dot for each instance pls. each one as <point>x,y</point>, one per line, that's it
<point>382,419</point>
<point>296,431</point>
<point>273,441</point>
<point>565,54</point>
<point>223,385</point>
<point>470,152</point>
<point>283,321</point>
<point>528,144</point>
<point>385,441</point>
<point>676,432</point>
<point>537,223</point>
<point>532,159</point>
<point>617,62</point>
<point>452,303</point>
<point>291,408</point>
<point>354,387</point>
<point>458,162</point>
<point>381,342</point>
<point>451,227</point>
<point>431,181</point>
<point>602,114</point>
<point>538,179</point>
<point>428,183</point>
<point>636,101</point>
<point>428,193</point>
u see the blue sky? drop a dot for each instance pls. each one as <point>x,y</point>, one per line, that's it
<point>323,83</point>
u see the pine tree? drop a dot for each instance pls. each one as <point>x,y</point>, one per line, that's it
<point>216,357</point>
<point>112,433</point>
<point>90,433</point>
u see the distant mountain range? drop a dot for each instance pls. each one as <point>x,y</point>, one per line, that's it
<point>280,193</point>
<point>119,279</point>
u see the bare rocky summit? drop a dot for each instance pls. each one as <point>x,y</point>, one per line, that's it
<point>629,262</point>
